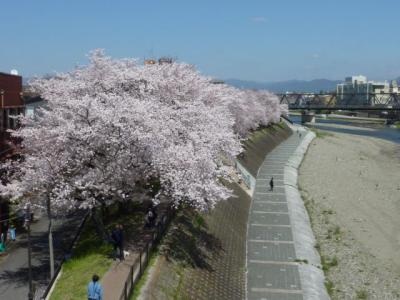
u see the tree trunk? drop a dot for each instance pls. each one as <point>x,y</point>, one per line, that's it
<point>50,233</point>
<point>98,223</point>
<point>51,249</point>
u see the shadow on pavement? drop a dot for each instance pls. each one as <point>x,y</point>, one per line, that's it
<point>17,274</point>
<point>189,243</point>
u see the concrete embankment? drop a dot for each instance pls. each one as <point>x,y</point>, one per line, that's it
<point>256,148</point>
<point>282,260</point>
<point>310,267</point>
<point>351,188</point>
<point>204,256</point>
<point>260,144</point>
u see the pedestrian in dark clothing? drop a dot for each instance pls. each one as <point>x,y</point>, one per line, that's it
<point>121,242</point>
<point>149,219</point>
<point>94,289</point>
<point>116,240</point>
<point>154,210</point>
<point>271,184</point>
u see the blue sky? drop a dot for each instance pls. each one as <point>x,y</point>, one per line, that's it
<point>263,40</point>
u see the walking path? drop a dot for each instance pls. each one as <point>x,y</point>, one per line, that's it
<point>273,243</point>
<point>14,267</point>
<point>114,280</point>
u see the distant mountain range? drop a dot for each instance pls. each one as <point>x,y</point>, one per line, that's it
<point>303,86</point>
<point>312,86</point>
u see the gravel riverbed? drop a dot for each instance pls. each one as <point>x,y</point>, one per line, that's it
<point>351,187</point>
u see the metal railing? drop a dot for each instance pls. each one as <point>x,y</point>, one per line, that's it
<point>137,269</point>
<point>335,101</point>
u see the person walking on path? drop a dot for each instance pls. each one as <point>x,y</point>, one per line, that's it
<point>116,239</point>
<point>121,242</point>
<point>94,289</point>
<point>271,184</point>
<point>2,245</point>
<point>12,232</point>
<point>148,219</point>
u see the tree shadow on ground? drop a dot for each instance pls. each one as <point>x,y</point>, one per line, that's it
<point>62,238</point>
<point>188,241</point>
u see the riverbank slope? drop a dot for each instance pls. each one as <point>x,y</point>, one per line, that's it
<point>351,185</point>
<point>203,255</point>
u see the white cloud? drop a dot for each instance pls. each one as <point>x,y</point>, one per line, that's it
<point>258,19</point>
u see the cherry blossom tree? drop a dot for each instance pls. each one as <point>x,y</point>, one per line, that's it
<point>114,126</point>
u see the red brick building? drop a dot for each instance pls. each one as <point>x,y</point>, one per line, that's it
<point>11,104</point>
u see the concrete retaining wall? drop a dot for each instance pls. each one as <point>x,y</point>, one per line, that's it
<point>311,274</point>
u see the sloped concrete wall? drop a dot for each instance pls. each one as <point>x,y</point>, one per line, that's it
<point>259,144</point>
<point>311,274</point>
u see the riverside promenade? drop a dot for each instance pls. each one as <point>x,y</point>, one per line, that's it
<point>276,254</point>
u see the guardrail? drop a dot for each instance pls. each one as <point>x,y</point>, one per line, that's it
<point>137,269</point>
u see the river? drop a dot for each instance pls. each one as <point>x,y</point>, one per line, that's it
<point>357,128</point>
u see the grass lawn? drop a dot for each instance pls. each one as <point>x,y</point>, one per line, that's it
<point>91,256</point>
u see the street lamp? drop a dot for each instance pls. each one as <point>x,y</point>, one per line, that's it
<point>28,217</point>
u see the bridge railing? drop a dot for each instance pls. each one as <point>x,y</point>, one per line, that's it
<point>374,101</point>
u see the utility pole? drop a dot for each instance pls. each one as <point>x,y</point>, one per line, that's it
<point>28,227</point>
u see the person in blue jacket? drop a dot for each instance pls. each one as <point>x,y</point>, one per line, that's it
<point>12,232</point>
<point>94,289</point>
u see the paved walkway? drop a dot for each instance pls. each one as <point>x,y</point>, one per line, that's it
<point>114,280</point>
<point>272,272</point>
<point>14,267</point>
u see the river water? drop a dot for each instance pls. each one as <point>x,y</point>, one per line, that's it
<point>357,128</point>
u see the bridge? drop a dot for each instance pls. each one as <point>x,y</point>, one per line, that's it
<point>379,102</point>
<point>387,104</point>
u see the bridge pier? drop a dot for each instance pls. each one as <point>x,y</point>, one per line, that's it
<point>307,117</point>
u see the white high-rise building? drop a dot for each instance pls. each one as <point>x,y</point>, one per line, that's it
<point>357,90</point>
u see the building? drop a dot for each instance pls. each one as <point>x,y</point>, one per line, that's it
<point>161,61</point>
<point>165,60</point>
<point>150,61</point>
<point>357,90</point>
<point>394,87</point>
<point>33,103</point>
<point>11,104</point>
